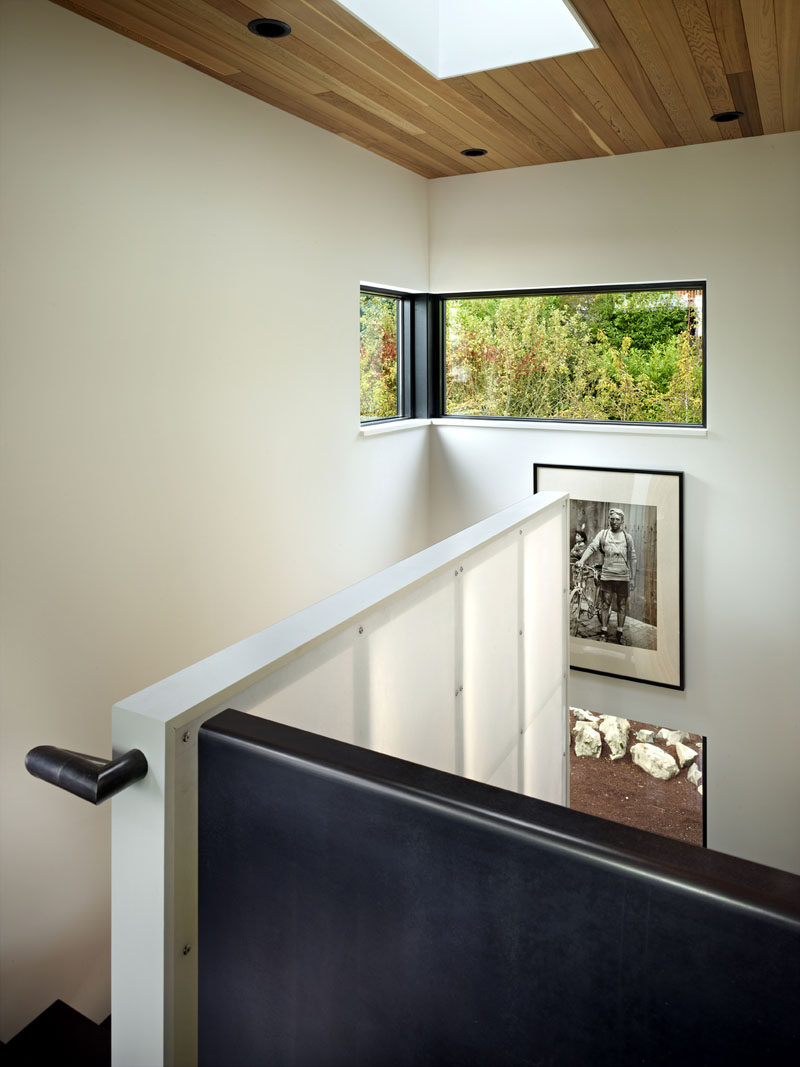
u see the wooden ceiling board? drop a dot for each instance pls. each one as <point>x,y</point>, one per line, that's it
<point>662,67</point>
<point>199,25</point>
<point>514,133</point>
<point>743,94</point>
<point>415,147</point>
<point>509,112</point>
<point>583,79</point>
<point>685,28</point>
<point>407,80</point>
<point>634,24</point>
<point>323,113</point>
<point>368,95</point>
<point>614,43</point>
<point>345,118</point>
<point>702,40</point>
<point>582,110</point>
<point>759,25</point>
<point>343,70</point>
<point>624,100</point>
<point>535,94</point>
<point>238,10</point>
<point>787,29</point>
<point>395,99</point>
<point>726,17</point>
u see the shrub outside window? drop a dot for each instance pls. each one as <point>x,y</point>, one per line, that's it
<point>621,355</point>
<point>381,345</point>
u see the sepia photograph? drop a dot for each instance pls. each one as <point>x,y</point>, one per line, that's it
<point>625,581</point>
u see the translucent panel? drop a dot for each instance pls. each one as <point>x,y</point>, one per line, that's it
<point>545,753</point>
<point>491,656</point>
<point>507,774</point>
<point>313,692</point>
<point>411,675</point>
<point>544,641</point>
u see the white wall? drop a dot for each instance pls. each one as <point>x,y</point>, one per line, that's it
<point>728,213</point>
<point>181,460</point>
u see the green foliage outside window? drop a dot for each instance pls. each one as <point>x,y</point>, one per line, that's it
<point>379,398</point>
<point>632,357</point>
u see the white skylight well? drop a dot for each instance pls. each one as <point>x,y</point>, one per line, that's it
<point>453,37</point>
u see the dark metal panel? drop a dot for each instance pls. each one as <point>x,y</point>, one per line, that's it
<point>426,357</point>
<point>359,910</point>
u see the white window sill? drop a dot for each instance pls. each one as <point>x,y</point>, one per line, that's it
<point>376,429</point>
<point>373,429</point>
<point>574,427</point>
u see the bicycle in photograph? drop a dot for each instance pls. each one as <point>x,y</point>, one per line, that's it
<point>582,597</point>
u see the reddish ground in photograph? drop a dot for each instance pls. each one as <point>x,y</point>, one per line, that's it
<point>621,791</point>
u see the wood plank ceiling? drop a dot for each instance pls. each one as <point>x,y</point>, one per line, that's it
<point>662,68</point>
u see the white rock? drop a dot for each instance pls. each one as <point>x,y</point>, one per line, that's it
<point>587,740</point>
<point>684,754</point>
<point>655,761</point>
<point>662,734</point>
<point>615,730</point>
<point>700,789</point>
<point>673,737</point>
<point>645,735</point>
<point>694,775</point>
<point>584,715</point>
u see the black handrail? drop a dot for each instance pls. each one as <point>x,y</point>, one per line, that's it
<point>88,777</point>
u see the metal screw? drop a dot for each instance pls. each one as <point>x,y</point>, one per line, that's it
<point>361,629</point>
<point>461,570</point>
<point>520,633</point>
<point>186,737</point>
<point>187,949</point>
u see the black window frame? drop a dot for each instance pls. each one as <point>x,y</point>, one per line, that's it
<point>417,357</point>
<point>441,343</point>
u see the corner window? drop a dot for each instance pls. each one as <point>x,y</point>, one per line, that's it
<point>382,350</point>
<point>632,355</point>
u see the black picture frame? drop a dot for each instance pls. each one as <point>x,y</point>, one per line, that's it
<point>651,647</point>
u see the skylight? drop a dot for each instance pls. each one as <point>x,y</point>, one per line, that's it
<point>453,37</point>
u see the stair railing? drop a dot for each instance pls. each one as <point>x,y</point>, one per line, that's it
<point>455,658</point>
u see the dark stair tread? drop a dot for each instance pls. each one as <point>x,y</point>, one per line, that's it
<point>60,1035</point>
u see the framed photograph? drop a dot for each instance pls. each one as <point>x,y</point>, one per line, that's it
<point>625,570</point>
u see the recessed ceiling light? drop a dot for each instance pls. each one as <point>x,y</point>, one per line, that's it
<point>269,28</point>
<point>727,116</point>
<point>473,151</point>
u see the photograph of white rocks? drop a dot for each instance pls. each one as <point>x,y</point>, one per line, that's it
<point>638,773</point>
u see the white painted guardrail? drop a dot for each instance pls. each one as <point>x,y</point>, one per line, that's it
<point>455,658</point>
